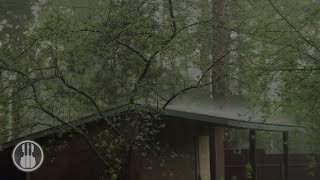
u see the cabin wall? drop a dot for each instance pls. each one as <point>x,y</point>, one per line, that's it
<point>269,166</point>
<point>7,168</point>
<point>175,162</point>
<point>178,139</point>
<point>76,161</point>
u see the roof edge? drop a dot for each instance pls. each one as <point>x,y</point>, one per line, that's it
<point>167,112</point>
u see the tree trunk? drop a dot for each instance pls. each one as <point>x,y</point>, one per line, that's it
<point>219,47</point>
<point>131,167</point>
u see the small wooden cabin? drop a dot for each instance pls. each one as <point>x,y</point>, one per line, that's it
<point>200,135</point>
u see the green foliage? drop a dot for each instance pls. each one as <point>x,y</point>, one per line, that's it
<point>76,58</point>
<point>96,48</point>
<point>249,171</point>
<point>312,165</point>
<point>277,63</point>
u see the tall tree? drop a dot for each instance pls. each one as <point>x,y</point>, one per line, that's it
<point>278,57</point>
<point>81,57</point>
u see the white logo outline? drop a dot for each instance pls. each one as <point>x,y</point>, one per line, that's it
<point>32,144</point>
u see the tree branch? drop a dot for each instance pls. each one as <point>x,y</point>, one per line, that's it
<point>183,91</point>
<point>289,69</point>
<point>214,64</point>
<point>152,57</point>
<point>293,27</point>
<point>174,24</point>
<point>74,128</point>
<point>132,49</point>
<point>59,76</point>
<point>198,85</point>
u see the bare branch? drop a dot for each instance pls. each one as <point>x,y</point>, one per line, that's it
<point>293,27</point>
<point>152,57</point>
<point>288,69</point>
<point>174,24</point>
<point>132,49</point>
<point>74,128</point>
<point>214,64</point>
<point>59,76</point>
<point>198,85</point>
<point>182,92</point>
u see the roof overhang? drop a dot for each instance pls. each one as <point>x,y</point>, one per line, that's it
<point>217,121</point>
<point>232,122</point>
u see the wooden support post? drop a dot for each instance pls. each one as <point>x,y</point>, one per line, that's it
<point>217,164</point>
<point>204,158</point>
<point>219,153</point>
<point>285,156</point>
<point>212,152</point>
<point>252,137</point>
<point>197,161</point>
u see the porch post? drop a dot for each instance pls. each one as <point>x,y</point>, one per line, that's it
<point>204,158</point>
<point>218,166</point>
<point>285,156</point>
<point>252,138</point>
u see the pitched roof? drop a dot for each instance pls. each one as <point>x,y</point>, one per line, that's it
<point>221,117</point>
